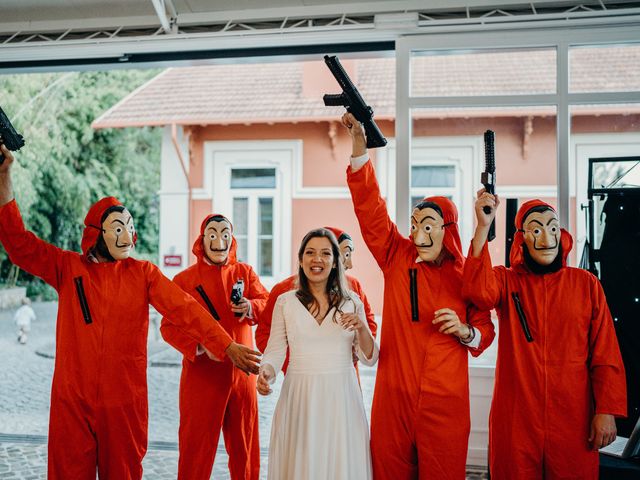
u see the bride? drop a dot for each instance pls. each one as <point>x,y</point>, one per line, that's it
<point>319,429</point>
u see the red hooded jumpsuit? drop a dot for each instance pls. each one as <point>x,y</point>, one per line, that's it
<point>547,391</point>
<point>420,414</point>
<point>98,412</point>
<point>215,395</point>
<point>264,326</point>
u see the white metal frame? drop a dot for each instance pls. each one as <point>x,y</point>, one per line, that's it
<point>222,156</point>
<point>559,39</point>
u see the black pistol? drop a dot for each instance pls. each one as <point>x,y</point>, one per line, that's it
<point>350,99</point>
<point>237,292</point>
<point>488,177</point>
<point>8,135</point>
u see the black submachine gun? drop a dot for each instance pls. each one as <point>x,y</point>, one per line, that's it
<point>488,177</point>
<point>354,103</point>
<point>8,135</point>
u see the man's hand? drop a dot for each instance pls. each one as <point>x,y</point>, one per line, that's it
<point>8,158</point>
<point>449,323</point>
<point>242,307</point>
<point>486,200</point>
<point>603,430</point>
<point>245,358</point>
<point>6,190</point>
<point>484,220</point>
<point>358,140</point>
<point>265,379</point>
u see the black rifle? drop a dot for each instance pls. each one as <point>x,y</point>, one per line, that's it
<point>237,292</point>
<point>8,135</point>
<point>488,177</point>
<point>350,99</point>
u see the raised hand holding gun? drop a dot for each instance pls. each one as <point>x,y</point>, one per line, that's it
<point>488,177</point>
<point>8,136</point>
<point>351,99</point>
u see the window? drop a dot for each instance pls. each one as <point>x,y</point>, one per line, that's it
<point>252,185</point>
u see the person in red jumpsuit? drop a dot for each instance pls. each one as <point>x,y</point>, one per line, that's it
<point>420,417</point>
<point>559,374</point>
<point>214,395</point>
<point>98,416</point>
<point>345,242</point>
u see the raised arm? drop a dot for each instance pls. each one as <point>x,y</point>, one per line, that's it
<point>24,248</point>
<point>379,232</point>
<point>481,285</point>
<point>180,309</point>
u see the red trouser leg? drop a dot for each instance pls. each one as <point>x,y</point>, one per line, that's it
<point>393,451</point>
<point>122,440</point>
<point>203,400</point>
<point>72,446</point>
<point>240,428</point>
<point>442,443</point>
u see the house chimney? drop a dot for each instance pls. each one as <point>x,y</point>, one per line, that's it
<point>318,80</point>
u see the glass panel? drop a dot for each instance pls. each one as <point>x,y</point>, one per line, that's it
<point>265,212</point>
<point>614,173</point>
<point>483,72</point>
<point>253,178</point>
<point>240,216</point>
<point>242,248</point>
<point>605,68</point>
<point>265,257</point>
<point>416,200</point>
<point>433,176</point>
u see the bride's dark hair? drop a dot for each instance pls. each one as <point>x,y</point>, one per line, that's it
<point>336,290</point>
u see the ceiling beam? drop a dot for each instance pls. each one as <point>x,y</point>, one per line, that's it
<point>166,14</point>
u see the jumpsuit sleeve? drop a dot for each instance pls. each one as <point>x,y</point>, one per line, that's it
<point>481,284</point>
<point>264,319</point>
<point>257,296</point>
<point>181,310</point>
<point>356,286</point>
<point>481,321</point>
<point>371,361</point>
<point>176,336</point>
<point>379,232</point>
<point>605,368</point>
<point>276,350</point>
<point>26,250</point>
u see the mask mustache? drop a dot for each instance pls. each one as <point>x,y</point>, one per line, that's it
<point>221,250</point>
<point>425,245</point>
<point>535,247</point>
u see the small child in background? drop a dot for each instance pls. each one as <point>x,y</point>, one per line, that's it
<point>23,318</point>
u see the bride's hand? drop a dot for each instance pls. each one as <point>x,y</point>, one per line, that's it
<point>265,379</point>
<point>352,322</point>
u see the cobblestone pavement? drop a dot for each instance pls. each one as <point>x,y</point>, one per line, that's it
<point>25,384</point>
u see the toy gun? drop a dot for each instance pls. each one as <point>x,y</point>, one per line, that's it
<point>354,103</point>
<point>488,177</point>
<point>237,292</point>
<point>8,135</point>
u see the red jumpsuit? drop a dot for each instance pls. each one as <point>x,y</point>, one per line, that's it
<point>547,391</point>
<point>420,414</point>
<point>215,395</point>
<point>99,393</point>
<point>264,325</point>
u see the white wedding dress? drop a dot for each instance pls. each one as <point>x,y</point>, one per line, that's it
<point>319,429</point>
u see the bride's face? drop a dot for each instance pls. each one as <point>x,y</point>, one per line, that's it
<point>317,260</point>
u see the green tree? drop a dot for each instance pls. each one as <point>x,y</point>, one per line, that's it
<point>66,165</point>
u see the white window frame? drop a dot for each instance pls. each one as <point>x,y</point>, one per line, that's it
<point>464,152</point>
<point>222,157</point>
<point>594,145</point>
<point>560,39</point>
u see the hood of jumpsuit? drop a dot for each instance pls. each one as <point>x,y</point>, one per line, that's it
<point>93,225</point>
<point>198,248</point>
<point>451,241</point>
<point>515,255</point>
<point>336,231</point>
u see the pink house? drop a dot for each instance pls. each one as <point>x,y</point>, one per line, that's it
<point>256,143</point>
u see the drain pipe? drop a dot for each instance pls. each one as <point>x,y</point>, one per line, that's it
<point>176,146</point>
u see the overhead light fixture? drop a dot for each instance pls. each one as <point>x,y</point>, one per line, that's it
<point>396,20</point>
